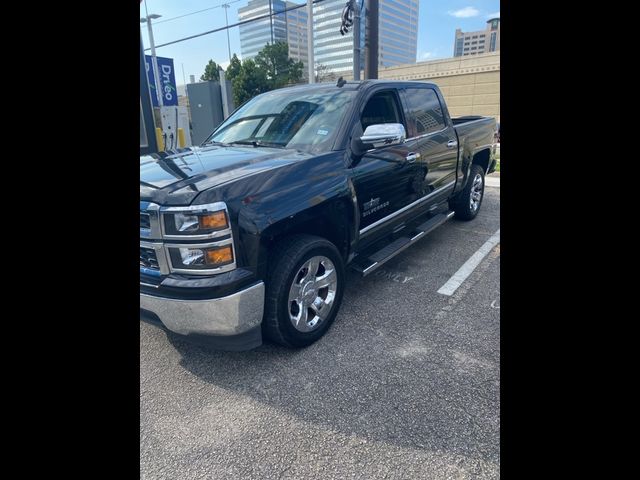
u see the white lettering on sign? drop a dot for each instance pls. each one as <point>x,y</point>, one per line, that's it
<point>166,71</point>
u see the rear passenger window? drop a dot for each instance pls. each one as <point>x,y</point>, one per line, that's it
<point>424,111</point>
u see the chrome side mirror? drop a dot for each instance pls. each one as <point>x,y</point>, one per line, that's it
<point>384,134</point>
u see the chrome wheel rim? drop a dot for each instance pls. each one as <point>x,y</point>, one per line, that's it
<point>312,294</point>
<point>476,193</point>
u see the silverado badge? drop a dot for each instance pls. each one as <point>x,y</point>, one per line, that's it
<point>372,206</point>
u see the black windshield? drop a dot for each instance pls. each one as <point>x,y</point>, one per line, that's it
<point>306,120</point>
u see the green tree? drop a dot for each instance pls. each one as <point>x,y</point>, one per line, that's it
<point>323,74</point>
<point>210,72</point>
<point>249,82</point>
<point>280,70</point>
<point>234,68</point>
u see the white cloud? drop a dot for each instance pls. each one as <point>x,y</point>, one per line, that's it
<point>425,55</point>
<point>465,12</point>
<point>494,15</point>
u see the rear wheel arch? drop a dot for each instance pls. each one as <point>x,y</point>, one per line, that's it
<point>482,158</point>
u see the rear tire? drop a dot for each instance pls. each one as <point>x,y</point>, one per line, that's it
<point>304,290</point>
<point>467,203</point>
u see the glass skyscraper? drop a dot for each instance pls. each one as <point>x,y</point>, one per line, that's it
<point>398,32</point>
<point>289,27</point>
<point>397,40</point>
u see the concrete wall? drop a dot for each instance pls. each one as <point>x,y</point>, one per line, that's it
<point>470,85</point>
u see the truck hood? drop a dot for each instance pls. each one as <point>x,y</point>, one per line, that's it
<point>175,179</point>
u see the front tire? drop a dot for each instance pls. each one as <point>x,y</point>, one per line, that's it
<point>305,285</point>
<point>467,203</point>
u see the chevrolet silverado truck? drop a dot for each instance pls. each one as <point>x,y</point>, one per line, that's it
<point>249,235</point>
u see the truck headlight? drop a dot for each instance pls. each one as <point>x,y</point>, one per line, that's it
<point>194,221</point>
<point>203,223</point>
<point>200,258</point>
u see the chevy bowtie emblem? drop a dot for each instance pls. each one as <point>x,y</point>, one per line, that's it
<point>372,203</point>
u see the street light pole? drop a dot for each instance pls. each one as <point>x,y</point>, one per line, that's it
<point>154,60</point>
<point>225,6</point>
<point>356,40</point>
<point>310,60</point>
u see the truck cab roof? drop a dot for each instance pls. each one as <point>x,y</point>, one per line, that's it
<point>356,85</point>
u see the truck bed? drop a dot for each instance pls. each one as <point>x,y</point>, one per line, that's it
<point>475,133</point>
<point>466,119</point>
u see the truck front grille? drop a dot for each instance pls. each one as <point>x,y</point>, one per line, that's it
<point>148,258</point>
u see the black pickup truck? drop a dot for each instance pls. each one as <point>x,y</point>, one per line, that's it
<point>249,234</point>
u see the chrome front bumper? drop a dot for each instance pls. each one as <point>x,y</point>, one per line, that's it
<point>231,315</point>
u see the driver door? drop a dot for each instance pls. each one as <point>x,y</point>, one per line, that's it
<point>383,178</point>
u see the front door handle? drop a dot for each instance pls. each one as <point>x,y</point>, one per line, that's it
<point>412,157</point>
<point>452,143</point>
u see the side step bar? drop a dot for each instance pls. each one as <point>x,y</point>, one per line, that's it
<point>372,262</point>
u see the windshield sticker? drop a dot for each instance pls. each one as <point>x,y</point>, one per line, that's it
<point>323,132</point>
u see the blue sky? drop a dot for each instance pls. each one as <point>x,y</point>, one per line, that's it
<point>438,22</point>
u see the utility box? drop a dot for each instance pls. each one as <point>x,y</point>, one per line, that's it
<point>171,119</point>
<point>205,102</point>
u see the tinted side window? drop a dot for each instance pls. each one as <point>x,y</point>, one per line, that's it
<point>381,108</point>
<point>424,111</point>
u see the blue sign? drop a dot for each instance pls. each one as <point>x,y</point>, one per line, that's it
<point>167,81</point>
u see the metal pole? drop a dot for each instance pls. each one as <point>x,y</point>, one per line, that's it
<point>371,40</point>
<point>224,94</point>
<point>310,60</point>
<point>356,40</point>
<point>270,21</point>
<point>154,62</point>
<point>184,78</point>
<point>225,6</point>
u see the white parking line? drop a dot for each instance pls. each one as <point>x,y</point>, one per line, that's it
<point>492,181</point>
<point>469,266</point>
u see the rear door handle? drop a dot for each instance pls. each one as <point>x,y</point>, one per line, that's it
<point>412,157</point>
<point>452,143</point>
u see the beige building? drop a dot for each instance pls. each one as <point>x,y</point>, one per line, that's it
<point>470,85</point>
<point>477,43</point>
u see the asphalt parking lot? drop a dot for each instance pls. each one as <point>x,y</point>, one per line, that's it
<point>404,385</point>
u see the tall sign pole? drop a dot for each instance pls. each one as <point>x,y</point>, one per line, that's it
<point>154,60</point>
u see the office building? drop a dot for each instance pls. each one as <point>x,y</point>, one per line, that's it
<point>289,27</point>
<point>397,39</point>
<point>482,41</point>
<point>398,36</point>
<point>297,34</point>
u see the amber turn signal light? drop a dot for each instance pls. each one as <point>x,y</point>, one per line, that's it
<point>219,256</point>
<point>213,221</point>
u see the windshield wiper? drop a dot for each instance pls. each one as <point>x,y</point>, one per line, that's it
<point>258,143</point>
<point>214,142</point>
